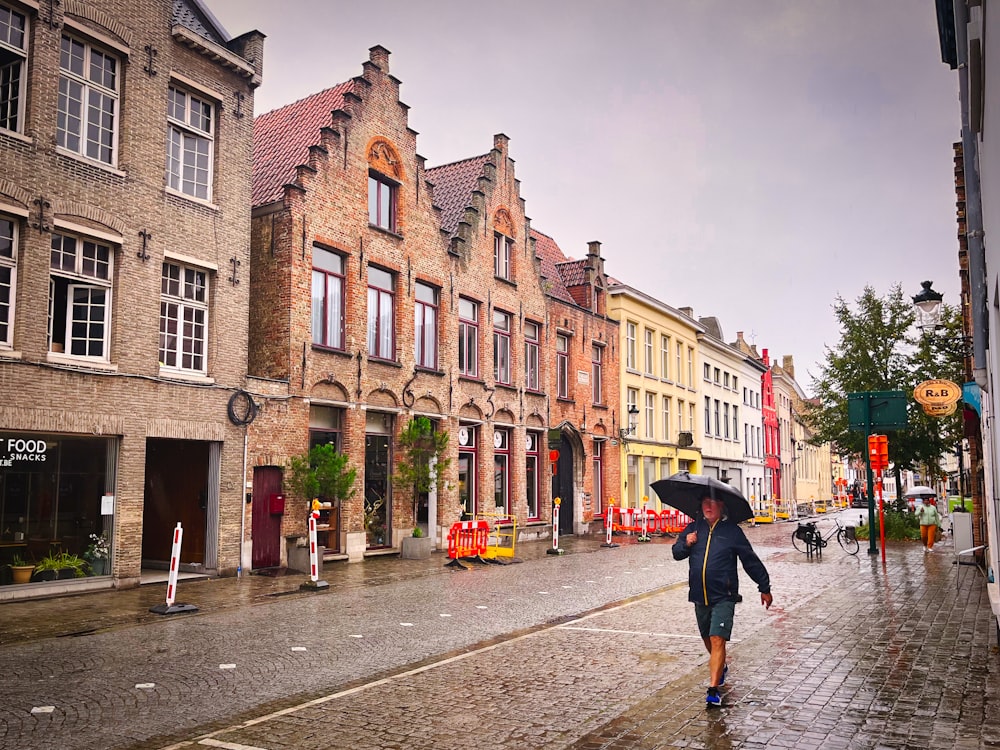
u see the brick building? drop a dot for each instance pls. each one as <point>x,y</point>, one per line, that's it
<point>384,291</point>
<point>583,379</point>
<point>125,134</point>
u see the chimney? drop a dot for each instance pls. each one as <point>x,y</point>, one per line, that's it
<point>379,55</point>
<point>788,365</point>
<point>689,311</point>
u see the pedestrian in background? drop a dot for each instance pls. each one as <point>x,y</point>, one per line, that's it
<point>712,544</point>
<point>929,519</point>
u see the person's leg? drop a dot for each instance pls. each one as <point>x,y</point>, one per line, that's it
<point>708,645</point>
<point>716,660</point>
<point>931,536</point>
<point>923,535</point>
<point>720,630</point>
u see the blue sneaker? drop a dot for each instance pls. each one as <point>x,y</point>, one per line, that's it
<point>713,698</point>
<point>725,671</point>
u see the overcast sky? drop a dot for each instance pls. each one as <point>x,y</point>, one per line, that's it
<point>751,159</point>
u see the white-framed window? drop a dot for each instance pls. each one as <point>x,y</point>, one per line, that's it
<point>708,415</point>
<point>13,68</point>
<point>715,413</point>
<point>501,471</point>
<point>532,475</point>
<point>680,416</point>
<point>735,383</point>
<point>706,371</point>
<point>8,279</point>
<point>650,416</point>
<point>562,365</point>
<point>532,332</point>
<point>666,419</point>
<point>190,143</point>
<point>691,366</point>
<point>80,277</point>
<point>381,314</point>
<point>502,247</point>
<point>630,345</point>
<point>725,420</point>
<point>87,114</point>
<point>736,422</point>
<point>725,380</point>
<point>327,298</point>
<point>501,347</point>
<point>597,373</point>
<point>678,372</point>
<point>715,375</point>
<point>183,318</point>
<point>381,201</point>
<point>425,325</point>
<point>632,409</point>
<point>665,357</point>
<point>647,341</point>
<point>468,338</point>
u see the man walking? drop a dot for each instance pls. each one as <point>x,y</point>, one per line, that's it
<point>712,545</point>
<point>928,518</point>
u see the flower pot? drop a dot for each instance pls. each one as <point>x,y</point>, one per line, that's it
<point>416,547</point>
<point>99,566</point>
<point>21,573</point>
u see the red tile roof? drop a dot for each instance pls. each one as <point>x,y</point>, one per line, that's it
<point>453,186</point>
<point>573,272</point>
<point>549,253</point>
<point>282,137</point>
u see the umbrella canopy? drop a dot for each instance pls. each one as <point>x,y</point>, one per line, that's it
<point>920,491</point>
<point>685,492</point>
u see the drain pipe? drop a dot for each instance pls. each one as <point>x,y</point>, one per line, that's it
<point>243,504</point>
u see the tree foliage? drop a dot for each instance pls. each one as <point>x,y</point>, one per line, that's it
<point>881,350</point>
<point>422,460</point>
<point>321,473</point>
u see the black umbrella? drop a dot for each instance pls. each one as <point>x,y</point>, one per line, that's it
<point>685,492</point>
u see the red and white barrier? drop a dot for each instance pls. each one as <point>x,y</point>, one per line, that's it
<point>555,528</point>
<point>313,582</point>
<point>175,560</point>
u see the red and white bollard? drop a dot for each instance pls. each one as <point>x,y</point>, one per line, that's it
<point>313,582</point>
<point>609,524</point>
<point>555,528</point>
<point>175,559</point>
<point>644,536</point>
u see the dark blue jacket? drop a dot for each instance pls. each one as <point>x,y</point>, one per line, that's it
<point>712,576</point>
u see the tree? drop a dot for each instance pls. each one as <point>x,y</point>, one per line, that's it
<point>321,473</point>
<point>421,460</point>
<point>879,350</point>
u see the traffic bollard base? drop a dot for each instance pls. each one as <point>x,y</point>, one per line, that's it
<point>555,552</point>
<point>609,544</point>
<point>314,585</point>
<point>172,609</point>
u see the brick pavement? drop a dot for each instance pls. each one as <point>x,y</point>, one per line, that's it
<point>849,657</point>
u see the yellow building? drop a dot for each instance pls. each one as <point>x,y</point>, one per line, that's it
<point>657,423</point>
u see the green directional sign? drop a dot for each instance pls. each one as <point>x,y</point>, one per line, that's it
<point>874,411</point>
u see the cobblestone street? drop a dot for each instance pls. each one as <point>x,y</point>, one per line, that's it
<point>593,649</point>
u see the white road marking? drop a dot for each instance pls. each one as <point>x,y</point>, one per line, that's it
<point>298,648</point>
<point>229,745</point>
<point>145,685</point>
<point>444,614</point>
<point>481,606</point>
<point>43,709</point>
<point>355,635</point>
<point>227,666</point>
<point>406,624</point>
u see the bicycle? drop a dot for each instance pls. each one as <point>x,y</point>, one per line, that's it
<point>808,538</point>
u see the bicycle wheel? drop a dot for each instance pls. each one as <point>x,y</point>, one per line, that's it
<point>799,544</point>
<point>850,546</point>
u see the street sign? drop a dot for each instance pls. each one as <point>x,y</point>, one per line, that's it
<point>882,410</point>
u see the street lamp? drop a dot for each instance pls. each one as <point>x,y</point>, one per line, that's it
<point>624,432</point>
<point>928,304</point>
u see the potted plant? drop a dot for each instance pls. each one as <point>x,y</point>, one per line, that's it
<point>421,463</point>
<point>98,554</point>
<point>21,569</point>
<point>60,565</point>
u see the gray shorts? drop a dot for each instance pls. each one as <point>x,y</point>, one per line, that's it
<point>716,619</point>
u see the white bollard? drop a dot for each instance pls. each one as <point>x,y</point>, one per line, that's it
<point>609,523</point>
<point>313,582</point>
<point>555,528</point>
<point>175,559</point>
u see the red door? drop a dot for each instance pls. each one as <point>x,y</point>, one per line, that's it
<point>265,528</point>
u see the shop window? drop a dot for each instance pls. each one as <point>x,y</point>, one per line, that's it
<point>532,477</point>
<point>501,472</point>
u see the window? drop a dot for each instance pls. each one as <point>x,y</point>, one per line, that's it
<point>381,202</point>
<point>468,470</point>
<point>718,430</point>
<point>598,489</point>
<point>381,337</point>
<point>183,317</point>
<point>680,416</point>
<point>630,346</point>
<point>501,347</point>
<point>665,357</point>
<point>531,336</point>
<point>715,376</point>
<point>708,415</point>
<point>190,139</point>
<point>736,426</point>
<point>596,375</point>
<point>725,379</point>
<point>425,325</point>
<point>647,338</point>
<point>650,416</point>
<point>502,247</point>
<point>666,419</point>
<point>87,121</point>
<point>725,419</point>
<point>735,384</point>
<point>691,367</point>
<point>8,277</point>
<point>562,365</point>
<point>327,299</point>
<point>501,471</point>
<point>678,372</point>
<point>532,477</point>
<point>80,297</point>
<point>707,370</point>
<point>691,417</point>
<point>632,409</point>
<point>13,68</point>
<point>468,338</point>
<point>325,426</point>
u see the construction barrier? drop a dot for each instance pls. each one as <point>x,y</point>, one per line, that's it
<point>781,509</point>
<point>644,521</point>
<point>672,521</point>
<point>502,535</point>
<point>467,539</point>
<point>764,513</point>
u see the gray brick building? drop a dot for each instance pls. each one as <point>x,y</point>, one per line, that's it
<point>125,146</point>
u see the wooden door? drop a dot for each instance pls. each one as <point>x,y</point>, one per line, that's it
<point>265,528</point>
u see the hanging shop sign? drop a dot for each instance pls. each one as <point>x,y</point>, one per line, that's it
<point>937,393</point>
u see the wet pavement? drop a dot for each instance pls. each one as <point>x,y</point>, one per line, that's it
<point>592,649</point>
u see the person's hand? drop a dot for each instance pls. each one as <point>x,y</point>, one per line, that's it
<point>766,600</point>
<point>691,538</point>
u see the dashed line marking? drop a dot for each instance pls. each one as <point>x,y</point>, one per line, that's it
<point>227,666</point>
<point>481,606</point>
<point>43,709</point>
<point>444,614</point>
<point>355,635</point>
<point>299,648</point>
<point>406,624</point>
<point>145,685</point>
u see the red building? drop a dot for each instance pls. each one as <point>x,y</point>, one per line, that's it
<point>772,442</point>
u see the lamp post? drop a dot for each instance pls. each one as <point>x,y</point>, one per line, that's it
<point>623,433</point>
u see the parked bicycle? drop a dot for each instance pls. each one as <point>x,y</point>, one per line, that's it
<point>808,538</point>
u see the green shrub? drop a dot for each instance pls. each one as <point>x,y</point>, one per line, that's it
<point>898,527</point>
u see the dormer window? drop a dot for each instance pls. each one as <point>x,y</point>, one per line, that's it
<point>501,255</point>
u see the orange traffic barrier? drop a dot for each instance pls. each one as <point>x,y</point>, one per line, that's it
<point>672,521</point>
<point>467,539</point>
